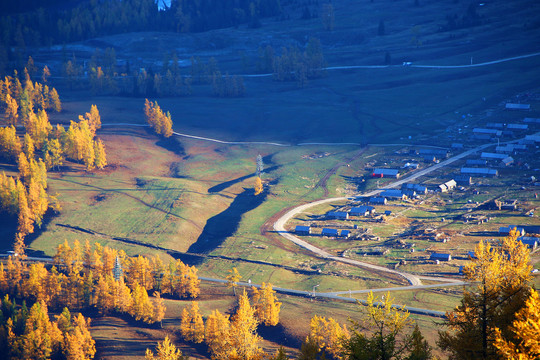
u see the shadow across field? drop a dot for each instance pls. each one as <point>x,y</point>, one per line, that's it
<point>224,224</point>
<point>279,335</point>
<point>227,184</point>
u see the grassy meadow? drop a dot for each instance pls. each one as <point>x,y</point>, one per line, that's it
<point>165,197</point>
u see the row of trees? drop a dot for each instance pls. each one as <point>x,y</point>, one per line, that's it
<point>25,195</point>
<point>59,24</point>
<point>293,64</point>
<point>93,277</point>
<point>30,334</point>
<point>18,100</point>
<point>161,122</point>
<point>234,338</point>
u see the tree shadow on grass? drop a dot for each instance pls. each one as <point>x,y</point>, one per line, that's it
<point>224,224</point>
<point>227,184</point>
<point>278,334</point>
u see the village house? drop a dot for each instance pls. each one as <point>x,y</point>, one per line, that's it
<point>302,230</point>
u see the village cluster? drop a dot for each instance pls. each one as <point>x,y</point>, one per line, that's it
<point>511,150</point>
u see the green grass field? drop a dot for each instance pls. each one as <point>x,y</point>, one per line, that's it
<point>163,198</point>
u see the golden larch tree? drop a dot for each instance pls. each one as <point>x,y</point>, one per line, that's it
<point>141,308</point>
<point>328,335</point>
<point>526,329</point>
<point>266,305</point>
<point>100,155</point>
<point>243,336</point>
<point>217,334</point>
<point>192,324</point>
<point>28,146</point>
<point>258,187</point>
<point>12,110</point>
<point>159,309</point>
<point>233,278</point>
<point>500,275</point>
<point>165,350</point>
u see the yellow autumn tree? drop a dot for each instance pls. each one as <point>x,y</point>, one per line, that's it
<point>41,337</point>
<point>93,118</point>
<point>217,334</point>
<point>500,275</point>
<point>243,337</point>
<point>10,144</point>
<point>161,122</point>
<point>526,330</point>
<point>266,305</point>
<point>165,350</point>
<point>233,278</point>
<point>55,100</point>
<point>78,343</point>
<point>328,335</point>
<point>28,146</point>
<point>159,309</point>
<point>12,114</point>
<point>258,187</point>
<point>141,307</point>
<point>100,155</point>
<point>192,324</point>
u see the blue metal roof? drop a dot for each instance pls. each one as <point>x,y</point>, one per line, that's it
<point>301,228</point>
<point>330,232</point>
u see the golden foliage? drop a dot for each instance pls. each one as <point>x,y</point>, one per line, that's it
<point>164,351</point>
<point>526,329</point>
<point>258,187</point>
<point>266,305</point>
<point>500,276</point>
<point>191,324</point>
<point>161,122</point>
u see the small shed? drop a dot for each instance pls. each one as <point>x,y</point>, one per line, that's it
<point>419,189</point>
<point>439,153</point>
<point>514,106</point>
<point>362,211</point>
<point>440,257</point>
<point>340,215</point>
<point>387,212</point>
<point>345,234</point>
<point>302,230</point>
<point>463,179</point>
<point>380,172</point>
<point>329,232</point>
<point>447,186</point>
<point>485,172</point>
<point>517,126</point>
<point>394,194</point>
<point>476,162</point>
<point>472,254</point>
<point>507,161</point>
<point>378,200</point>
<point>492,156</point>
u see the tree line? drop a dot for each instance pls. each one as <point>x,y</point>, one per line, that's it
<point>95,276</point>
<point>19,100</point>
<point>30,333</point>
<point>106,77</point>
<point>233,337</point>
<point>63,24</point>
<point>43,148</point>
<point>159,121</point>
